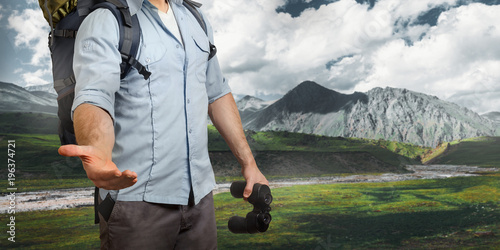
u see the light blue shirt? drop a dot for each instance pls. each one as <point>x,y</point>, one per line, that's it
<point>160,123</point>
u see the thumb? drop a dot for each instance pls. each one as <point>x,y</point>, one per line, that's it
<point>71,150</point>
<point>68,150</point>
<point>248,189</point>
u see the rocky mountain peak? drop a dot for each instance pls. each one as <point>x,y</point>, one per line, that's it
<point>310,97</point>
<point>250,103</point>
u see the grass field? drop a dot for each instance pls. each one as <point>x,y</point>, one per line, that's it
<point>480,151</point>
<point>459,212</point>
<point>39,166</point>
<point>287,141</point>
<point>28,123</point>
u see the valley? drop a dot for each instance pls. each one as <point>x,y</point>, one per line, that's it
<point>335,191</point>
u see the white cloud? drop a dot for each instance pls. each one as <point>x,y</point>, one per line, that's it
<point>32,31</point>
<point>264,52</point>
<point>412,9</point>
<point>457,59</point>
<point>36,77</point>
<point>268,52</point>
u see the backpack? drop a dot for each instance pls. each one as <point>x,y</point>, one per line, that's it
<point>64,18</point>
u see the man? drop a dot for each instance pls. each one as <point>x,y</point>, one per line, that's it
<point>144,142</point>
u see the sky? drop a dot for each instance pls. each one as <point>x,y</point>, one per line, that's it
<point>444,48</point>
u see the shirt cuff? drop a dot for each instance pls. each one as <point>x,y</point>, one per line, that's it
<point>95,98</point>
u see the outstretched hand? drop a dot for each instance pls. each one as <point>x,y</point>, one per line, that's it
<point>100,170</point>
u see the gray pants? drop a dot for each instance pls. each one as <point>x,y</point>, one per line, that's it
<point>141,225</point>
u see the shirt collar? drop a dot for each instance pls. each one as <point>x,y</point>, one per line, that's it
<point>135,5</point>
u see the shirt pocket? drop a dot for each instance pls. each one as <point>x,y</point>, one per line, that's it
<point>149,56</point>
<point>201,52</point>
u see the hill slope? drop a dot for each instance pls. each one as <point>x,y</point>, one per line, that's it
<point>28,123</point>
<point>481,151</point>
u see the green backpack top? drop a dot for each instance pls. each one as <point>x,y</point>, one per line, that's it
<point>55,10</point>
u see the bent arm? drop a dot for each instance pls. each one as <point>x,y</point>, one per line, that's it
<point>226,118</point>
<point>97,71</point>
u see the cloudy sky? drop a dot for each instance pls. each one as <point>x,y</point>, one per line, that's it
<point>446,48</point>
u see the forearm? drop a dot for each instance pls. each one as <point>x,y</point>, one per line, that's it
<point>95,136</point>
<point>226,119</point>
<point>94,127</point>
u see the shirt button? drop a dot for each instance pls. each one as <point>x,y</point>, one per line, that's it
<point>148,60</point>
<point>190,131</point>
<point>188,101</point>
<point>177,46</point>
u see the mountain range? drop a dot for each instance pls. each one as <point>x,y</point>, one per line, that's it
<point>15,98</point>
<point>381,113</point>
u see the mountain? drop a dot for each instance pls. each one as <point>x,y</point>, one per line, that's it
<point>249,105</point>
<point>493,116</point>
<point>15,98</point>
<point>290,112</point>
<point>381,113</point>
<point>47,88</point>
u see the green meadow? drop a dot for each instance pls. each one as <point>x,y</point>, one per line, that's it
<point>462,212</point>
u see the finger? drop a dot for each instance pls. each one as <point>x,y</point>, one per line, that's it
<point>116,183</point>
<point>264,182</point>
<point>114,179</point>
<point>248,189</point>
<point>100,174</point>
<point>129,174</point>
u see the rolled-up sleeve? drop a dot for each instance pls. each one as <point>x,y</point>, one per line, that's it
<point>96,62</point>
<point>217,86</point>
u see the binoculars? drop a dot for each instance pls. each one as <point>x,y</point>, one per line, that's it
<point>256,221</point>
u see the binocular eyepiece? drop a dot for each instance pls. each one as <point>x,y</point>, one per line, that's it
<point>259,218</point>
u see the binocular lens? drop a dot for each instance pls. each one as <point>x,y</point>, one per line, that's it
<point>268,199</point>
<point>264,218</point>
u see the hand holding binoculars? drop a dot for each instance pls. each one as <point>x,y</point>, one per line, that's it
<point>259,218</point>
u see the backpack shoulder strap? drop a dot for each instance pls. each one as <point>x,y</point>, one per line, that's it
<point>130,35</point>
<point>193,6</point>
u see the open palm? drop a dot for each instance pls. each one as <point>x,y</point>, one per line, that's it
<point>100,170</point>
